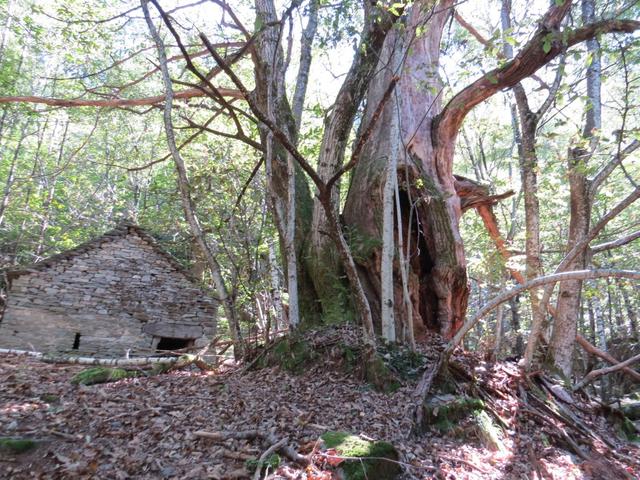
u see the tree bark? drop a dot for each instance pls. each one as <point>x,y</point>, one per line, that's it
<point>565,326</point>
<point>430,208</point>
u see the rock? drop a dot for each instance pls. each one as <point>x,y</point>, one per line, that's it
<point>630,408</point>
<point>371,459</point>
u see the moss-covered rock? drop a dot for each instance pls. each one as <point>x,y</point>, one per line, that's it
<point>405,363</point>
<point>17,445</point>
<point>487,431</point>
<point>368,459</point>
<point>378,374</point>
<point>443,412</point>
<point>94,375</point>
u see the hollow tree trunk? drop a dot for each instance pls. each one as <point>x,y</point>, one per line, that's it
<point>430,207</point>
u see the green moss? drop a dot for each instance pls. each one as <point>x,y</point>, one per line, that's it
<point>49,398</point>
<point>444,412</point>
<point>17,445</point>
<point>94,375</point>
<point>405,363</point>
<point>290,353</point>
<point>272,462</point>
<point>331,288</point>
<point>370,459</point>
<point>378,374</point>
<point>361,245</point>
<point>488,432</point>
<point>628,430</point>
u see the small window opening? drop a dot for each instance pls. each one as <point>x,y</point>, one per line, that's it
<point>76,342</point>
<point>168,343</point>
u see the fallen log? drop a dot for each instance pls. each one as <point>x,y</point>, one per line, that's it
<point>108,362</point>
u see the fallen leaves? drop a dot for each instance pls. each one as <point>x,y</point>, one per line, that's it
<point>144,428</point>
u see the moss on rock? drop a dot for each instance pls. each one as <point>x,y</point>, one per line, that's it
<point>443,412</point>
<point>368,459</point>
<point>94,375</point>
<point>488,432</point>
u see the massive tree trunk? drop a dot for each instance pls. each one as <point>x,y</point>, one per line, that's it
<point>430,207</point>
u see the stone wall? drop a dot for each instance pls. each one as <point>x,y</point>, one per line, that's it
<point>120,294</point>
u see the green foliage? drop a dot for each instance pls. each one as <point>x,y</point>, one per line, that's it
<point>290,353</point>
<point>444,412</point>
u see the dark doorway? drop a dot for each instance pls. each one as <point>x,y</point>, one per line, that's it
<point>76,342</point>
<point>168,343</point>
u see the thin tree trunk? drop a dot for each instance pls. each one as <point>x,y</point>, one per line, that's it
<point>387,300</point>
<point>276,297</point>
<point>11,175</point>
<point>565,326</point>
<point>50,194</point>
<point>185,195</point>
<point>306,44</point>
<point>631,312</point>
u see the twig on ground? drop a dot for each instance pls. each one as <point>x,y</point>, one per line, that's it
<point>286,450</point>
<point>266,454</point>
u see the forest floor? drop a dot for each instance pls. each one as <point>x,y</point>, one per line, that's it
<point>144,427</point>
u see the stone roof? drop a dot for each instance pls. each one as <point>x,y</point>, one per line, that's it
<point>123,229</point>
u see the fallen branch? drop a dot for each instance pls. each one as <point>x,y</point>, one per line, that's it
<point>584,343</point>
<point>593,374</point>
<point>286,450</point>
<point>422,390</point>
<point>266,454</point>
<point>109,362</point>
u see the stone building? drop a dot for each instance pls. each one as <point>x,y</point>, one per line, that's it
<point>115,293</point>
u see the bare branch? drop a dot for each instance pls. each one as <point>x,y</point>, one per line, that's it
<point>593,374</point>
<point>536,282</point>
<point>616,243</point>
<point>115,102</point>
<point>604,173</point>
<point>547,43</point>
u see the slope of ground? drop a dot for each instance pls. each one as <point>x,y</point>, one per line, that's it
<point>145,427</point>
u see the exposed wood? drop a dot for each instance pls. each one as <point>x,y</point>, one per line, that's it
<point>219,436</point>
<point>111,362</point>
<point>116,102</point>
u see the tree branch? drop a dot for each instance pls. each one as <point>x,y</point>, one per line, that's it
<point>536,282</point>
<point>115,102</point>
<point>616,243</point>
<point>547,43</point>
<point>593,374</point>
